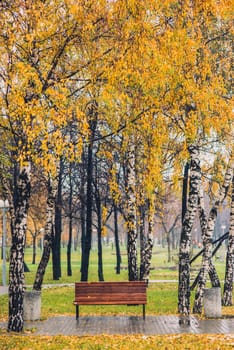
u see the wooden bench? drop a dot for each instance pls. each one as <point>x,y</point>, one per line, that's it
<point>110,293</point>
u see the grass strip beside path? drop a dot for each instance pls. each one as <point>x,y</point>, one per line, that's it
<point>104,342</point>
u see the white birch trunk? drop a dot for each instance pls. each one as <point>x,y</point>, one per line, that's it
<point>48,236</point>
<point>228,283</point>
<point>131,215</point>
<point>142,233</point>
<point>148,247</point>
<point>16,268</point>
<point>185,241</point>
<point>204,223</point>
<point>207,254</point>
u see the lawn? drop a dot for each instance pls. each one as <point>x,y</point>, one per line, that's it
<point>161,268</point>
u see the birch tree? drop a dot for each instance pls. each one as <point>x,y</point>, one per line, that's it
<point>228,284</point>
<point>187,224</point>
<point>207,254</point>
<point>34,106</point>
<point>204,222</point>
<point>147,242</point>
<point>48,232</point>
<point>16,267</point>
<point>131,214</point>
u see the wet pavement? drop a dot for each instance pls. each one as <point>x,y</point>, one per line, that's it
<point>93,325</point>
<point>152,325</point>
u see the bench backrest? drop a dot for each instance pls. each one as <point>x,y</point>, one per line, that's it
<point>133,292</point>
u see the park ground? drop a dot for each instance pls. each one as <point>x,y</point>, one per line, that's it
<point>162,300</point>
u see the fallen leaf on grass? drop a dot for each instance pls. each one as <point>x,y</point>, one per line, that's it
<point>118,342</point>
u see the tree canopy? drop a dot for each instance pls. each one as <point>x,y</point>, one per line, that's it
<point>139,84</point>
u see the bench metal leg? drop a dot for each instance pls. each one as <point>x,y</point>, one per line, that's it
<point>143,311</point>
<point>77,312</point>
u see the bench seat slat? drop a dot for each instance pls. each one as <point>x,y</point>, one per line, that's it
<point>111,294</point>
<point>110,287</point>
<point>111,301</point>
<point>114,296</point>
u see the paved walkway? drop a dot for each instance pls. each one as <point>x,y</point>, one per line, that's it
<point>165,324</point>
<point>93,325</point>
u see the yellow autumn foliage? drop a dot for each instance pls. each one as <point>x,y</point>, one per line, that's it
<point>157,70</point>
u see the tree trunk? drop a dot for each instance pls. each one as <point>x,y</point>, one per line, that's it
<point>82,210</point>
<point>204,222</point>
<point>83,229</point>
<point>215,282</point>
<point>34,250</point>
<point>228,282</point>
<point>89,209</point>
<point>70,217</point>
<point>169,246</point>
<point>145,271</point>
<point>185,241</point>
<point>47,242</point>
<point>69,245</point>
<point>56,242</point>
<point>173,240</point>
<point>117,247</point>
<point>99,232</point>
<point>185,191</point>
<point>131,216</point>
<point>169,233</point>
<point>143,242</point>
<point>207,254</point>
<point>16,267</point>
<point>92,114</point>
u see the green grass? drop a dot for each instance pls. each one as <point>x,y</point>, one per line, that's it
<point>159,262</point>
<point>161,268</point>
<point>159,301</point>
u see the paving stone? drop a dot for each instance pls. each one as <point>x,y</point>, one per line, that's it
<point>67,325</point>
